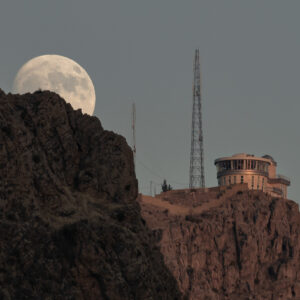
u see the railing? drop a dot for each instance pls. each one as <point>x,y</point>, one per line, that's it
<point>241,172</point>
<point>273,190</point>
<point>278,191</point>
<point>283,177</point>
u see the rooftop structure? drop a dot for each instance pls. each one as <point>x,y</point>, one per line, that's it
<point>258,172</point>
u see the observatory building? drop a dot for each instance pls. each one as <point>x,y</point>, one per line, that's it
<point>258,172</point>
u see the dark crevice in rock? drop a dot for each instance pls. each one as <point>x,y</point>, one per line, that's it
<point>237,246</point>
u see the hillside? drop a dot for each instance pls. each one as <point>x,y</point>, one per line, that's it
<point>70,226</point>
<point>228,243</point>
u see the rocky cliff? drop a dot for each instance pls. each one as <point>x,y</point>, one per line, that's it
<point>70,227</point>
<point>230,243</point>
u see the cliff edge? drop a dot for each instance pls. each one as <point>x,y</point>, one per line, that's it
<point>70,226</point>
<point>228,243</point>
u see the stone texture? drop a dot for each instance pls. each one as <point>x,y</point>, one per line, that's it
<point>70,226</point>
<point>228,243</point>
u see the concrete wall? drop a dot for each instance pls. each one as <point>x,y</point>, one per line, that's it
<point>255,182</point>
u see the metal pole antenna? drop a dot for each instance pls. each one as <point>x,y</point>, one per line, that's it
<point>196,158</point>
<point>133,131</point>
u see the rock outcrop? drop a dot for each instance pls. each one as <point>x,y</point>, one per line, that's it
<point>230,243</point>
<point>70,226</point>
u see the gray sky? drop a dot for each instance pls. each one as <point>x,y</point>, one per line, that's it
<point>143,50</point>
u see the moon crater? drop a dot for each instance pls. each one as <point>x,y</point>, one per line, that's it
<point>60,75</point>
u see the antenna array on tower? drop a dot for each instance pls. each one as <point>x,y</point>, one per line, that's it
<point>196,158</point>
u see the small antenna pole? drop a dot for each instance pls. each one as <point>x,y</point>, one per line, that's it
<point>133,118</point>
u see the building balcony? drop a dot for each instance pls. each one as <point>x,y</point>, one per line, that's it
<point>280,179</point>
<point>274,190</point>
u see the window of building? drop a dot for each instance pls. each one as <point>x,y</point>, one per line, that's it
<point>262,183</point>
<point>242,179</point>
<point>258,165</point>
<point>234,164</point>
<point>248,164</point>
<point>240,164</point>
<point>252,182</point>
<point>258,182</point>
<point>228,165</point>
<point>234,179</point>
<point>229,180</point>
<point>224,180</point>
<point>221,166</point>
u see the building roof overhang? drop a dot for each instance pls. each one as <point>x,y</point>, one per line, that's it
<point>243,156</point>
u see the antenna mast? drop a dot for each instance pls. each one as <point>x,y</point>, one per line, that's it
<point>196,158</point>
<point>133,130</point>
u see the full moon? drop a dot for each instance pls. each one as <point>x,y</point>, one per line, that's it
<point>58,74</point>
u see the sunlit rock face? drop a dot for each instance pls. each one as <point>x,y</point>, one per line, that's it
<point>228,243</point>
<point>70,227</point>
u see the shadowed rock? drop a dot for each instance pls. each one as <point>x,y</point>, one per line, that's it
<point>70,227</point>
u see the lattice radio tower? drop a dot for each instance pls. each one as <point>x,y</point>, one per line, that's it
<point>196,158</point>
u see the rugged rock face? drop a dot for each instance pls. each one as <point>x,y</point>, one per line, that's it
<point>70,227</point>
<point>228,244</point>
